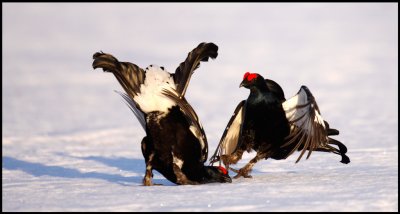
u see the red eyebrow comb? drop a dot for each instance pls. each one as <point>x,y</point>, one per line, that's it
<point>223,170</point>
<point>249,76</point>
<point>246,75</point>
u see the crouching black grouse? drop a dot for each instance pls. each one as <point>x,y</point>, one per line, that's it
<point>274,127</point>
<point>175,143</point>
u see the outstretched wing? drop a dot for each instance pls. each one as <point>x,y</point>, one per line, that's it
<point>185,70</point>
<point>230,139</point>
<point>307,127</point>
<point>129,75</point>
<point>195,126</point>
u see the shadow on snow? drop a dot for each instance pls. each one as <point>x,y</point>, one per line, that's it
<point>39,169</point>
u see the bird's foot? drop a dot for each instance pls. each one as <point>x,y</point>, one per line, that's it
<point>186,182</point>
<point>231,159</point>
<point>147,182</point>
<point>234,170</point>
<point>243,172</point>
<point>225,159</point>
<point>152,184</point>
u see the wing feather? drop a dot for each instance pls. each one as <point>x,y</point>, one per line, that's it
<point>230,138</point>
<point>134,108</point>
<point>185,70</point>
<point>308,130</point>
<point>129,75</point>
<point>195,126</point>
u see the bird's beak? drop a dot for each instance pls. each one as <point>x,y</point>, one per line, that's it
<point>228,180</point>
<point>241,84</point>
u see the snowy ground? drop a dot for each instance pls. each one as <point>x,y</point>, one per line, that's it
<point>69,143</point>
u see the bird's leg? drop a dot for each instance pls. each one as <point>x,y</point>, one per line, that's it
<point>234,170</point>
<point>244,171</point>
<point>180,177</point>
<point>232,158</point>
<point>148,174</point>
<point>149,159</point>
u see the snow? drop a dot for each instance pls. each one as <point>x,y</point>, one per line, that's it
<point>69,143</point>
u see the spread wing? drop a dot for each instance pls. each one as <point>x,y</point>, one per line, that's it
<point>195,127</point>
<point>230,139</point>
<point>129,75</point>
<point>307,127</point>
<point>185,70</point>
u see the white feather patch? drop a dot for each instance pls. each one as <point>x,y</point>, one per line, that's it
<point>298,109</point>
<point>196,132</point>
<point>231,139</point>
<point>151,97</point>
<point>198,135</point>
<point>177,161</point>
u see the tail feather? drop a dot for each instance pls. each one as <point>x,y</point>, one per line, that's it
<point>342,150</point>
<point>129,75</point>
<point>329,130</point>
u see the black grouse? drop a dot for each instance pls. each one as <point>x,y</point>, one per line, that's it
<point>175,143</point>
<point>274,127</point>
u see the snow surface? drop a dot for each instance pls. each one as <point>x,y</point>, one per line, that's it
<point>69,143</point>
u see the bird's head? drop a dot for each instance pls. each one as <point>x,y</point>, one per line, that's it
<point>217,174</point>
<point>251,80</point>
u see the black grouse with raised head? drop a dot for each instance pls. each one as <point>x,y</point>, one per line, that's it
<point>175,143</point>
<point>274,127</point>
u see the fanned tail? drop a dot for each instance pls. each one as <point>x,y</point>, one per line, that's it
<point>309,131</point>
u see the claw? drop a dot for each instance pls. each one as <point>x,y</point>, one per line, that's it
<point>243,173</point>
<point>152,184</point>
<point>147,182</point>
<point>234,170</point>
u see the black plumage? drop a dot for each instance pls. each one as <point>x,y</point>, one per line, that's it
<point>175,143</point>
<point>274,127</point>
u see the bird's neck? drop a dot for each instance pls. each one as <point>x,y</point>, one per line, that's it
<point>258,93</point>
<point>202,177</point>
<point>259,88</point>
